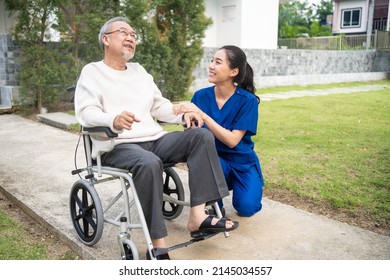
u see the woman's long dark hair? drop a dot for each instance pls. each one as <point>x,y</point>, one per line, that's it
<point>237,59</point>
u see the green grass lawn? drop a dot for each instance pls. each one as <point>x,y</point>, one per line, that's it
<point>12,236</point>
<point>331,149</point>
<point>17,242</point>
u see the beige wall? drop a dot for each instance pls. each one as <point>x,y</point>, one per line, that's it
<point>6,23</point>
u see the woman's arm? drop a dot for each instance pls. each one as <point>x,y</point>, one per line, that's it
<point>228,137</point>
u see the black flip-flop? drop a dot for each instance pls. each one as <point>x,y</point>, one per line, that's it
<point>206,227</point>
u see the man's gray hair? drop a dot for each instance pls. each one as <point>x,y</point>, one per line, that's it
<point>107,26</point>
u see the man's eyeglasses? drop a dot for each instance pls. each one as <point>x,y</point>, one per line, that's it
<point>124,33</point>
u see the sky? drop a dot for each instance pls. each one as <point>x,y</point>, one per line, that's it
<point>312,1</point>
<point>316,2</point>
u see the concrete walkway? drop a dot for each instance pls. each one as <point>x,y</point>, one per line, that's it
<point>35,164</point>
<point>320,92</point>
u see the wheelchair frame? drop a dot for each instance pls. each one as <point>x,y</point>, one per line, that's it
<point>87,212</point>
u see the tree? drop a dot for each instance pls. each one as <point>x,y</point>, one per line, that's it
<point>174,45</point>
<point>298,18</point>
<point>44,67</point>
<point>295,18</point>
<point>324,9</point>
<point>171,35</point>
<point>316,29</point>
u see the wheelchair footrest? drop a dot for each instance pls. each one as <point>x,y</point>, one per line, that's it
<point>192,241</point>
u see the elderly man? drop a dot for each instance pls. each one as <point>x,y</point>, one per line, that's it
<point>123,96</point>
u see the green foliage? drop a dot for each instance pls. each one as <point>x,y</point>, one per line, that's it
<point>46,72</point>
<point>317,30</point>
<point>173,45</point>
<point>298,18</point>
<point>83,20</point>
<point>294,19</point>
<point>324,9</point>
<point>171,35</point>
<point>46,69</point>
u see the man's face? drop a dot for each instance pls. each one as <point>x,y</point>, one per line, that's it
<point>121,40</point>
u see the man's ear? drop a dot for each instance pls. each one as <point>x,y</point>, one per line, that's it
<point>105,40</point>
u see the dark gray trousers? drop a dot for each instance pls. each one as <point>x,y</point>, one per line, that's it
<point>145,161</point>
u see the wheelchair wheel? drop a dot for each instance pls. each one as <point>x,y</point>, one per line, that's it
<point>131,252</point>
<point>174,188</point>
<point>86,212</point>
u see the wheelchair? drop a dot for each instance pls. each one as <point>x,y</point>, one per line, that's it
<point>88,214</point>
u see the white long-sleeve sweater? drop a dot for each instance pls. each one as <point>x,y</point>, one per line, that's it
<point>102,93</point>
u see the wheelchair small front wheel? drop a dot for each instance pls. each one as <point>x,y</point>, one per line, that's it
<point>173,187</point>
<point>130,250</point>
<point>86,212</point>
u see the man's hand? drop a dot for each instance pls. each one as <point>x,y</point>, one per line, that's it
<point>193,120</point>
<point>125,120</point>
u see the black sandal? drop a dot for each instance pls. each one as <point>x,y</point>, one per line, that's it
<point>207,227</point>
<point>159,257</point>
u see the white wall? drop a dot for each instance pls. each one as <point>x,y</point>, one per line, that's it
<point>388,18</point>
<point>259,24</point>
<point>210,39</point>
<point>229,22</point>
<point>245,23</point>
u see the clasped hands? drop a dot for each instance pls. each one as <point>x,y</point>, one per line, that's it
<point>192,115</point>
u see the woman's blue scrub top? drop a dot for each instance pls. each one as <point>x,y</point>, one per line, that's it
<point>240,112</point>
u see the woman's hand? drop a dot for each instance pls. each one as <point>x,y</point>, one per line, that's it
<point>186,107</point>
<point>192,115</point>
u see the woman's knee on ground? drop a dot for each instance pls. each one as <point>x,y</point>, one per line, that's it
<point>247,208</point>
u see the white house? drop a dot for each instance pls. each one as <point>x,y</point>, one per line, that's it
<point>360,16</point>
<point>245,23</point>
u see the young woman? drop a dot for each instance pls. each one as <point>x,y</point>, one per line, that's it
<point>229,109</point>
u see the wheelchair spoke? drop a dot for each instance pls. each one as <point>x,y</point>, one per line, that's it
<point>89,221</point>
<point>77,200</point>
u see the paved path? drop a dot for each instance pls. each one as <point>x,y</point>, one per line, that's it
<point>35,164</point>
<point>319,92</point>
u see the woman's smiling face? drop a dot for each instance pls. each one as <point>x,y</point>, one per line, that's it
<point>219,68</point>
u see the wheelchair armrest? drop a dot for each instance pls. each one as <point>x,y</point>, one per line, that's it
<point>97,129</point>
<point>71,88</point>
